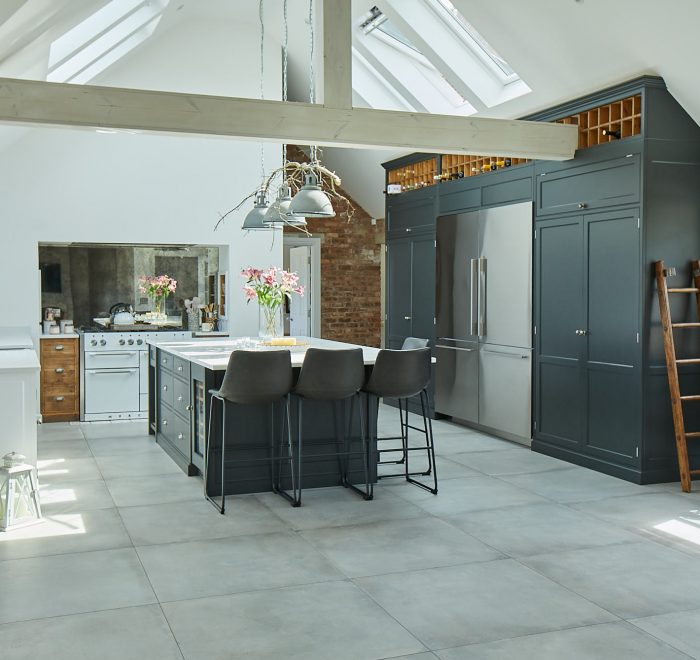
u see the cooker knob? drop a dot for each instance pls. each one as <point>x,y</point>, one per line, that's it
<point>130,342</point>
<point>93,342</point>
<point>139,341</point>
<point>122,342</point>
<point>103,342</point>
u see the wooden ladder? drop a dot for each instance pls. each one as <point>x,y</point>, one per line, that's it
<point>672,363</point>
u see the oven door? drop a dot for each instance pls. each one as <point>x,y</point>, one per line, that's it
<point>111,390</point>
<point>111,360</point>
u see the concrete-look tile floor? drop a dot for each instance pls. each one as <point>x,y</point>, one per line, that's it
<point>519,556</point>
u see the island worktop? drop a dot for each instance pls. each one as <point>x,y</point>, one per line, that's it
<point>181,375</point>
<point>214,353</point>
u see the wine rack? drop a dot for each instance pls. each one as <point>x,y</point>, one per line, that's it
<point>612,121</point>
<point>415,175</point>
<point>456,166</point>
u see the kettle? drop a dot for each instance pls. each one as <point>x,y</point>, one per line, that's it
<point>121,314</point>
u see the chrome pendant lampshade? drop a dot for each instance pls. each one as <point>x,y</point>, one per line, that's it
<point>278,212</point>
<point>311,201</point>
<point>256,216</point>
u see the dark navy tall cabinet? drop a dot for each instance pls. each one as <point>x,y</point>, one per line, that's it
<point>600,395</point>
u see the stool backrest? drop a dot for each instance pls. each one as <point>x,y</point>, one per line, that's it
<point>257,376</point>
<point>400,374</point>
<point>331,374</point>
<point>411,343</point>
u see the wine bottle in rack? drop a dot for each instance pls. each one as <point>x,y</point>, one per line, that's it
<point>612,132</point>
<point>507,162</point>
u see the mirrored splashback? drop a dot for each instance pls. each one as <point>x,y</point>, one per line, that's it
<point>85,280</point>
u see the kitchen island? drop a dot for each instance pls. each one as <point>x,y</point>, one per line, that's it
<point>181,373</point>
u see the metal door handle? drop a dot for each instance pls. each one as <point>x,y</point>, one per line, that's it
<point>165,388</point>
<point>482,297</point>
<point>165,360</point>
<point>179,398</point>
<point>581,332</point>
<point>58,347</point>
<point>165,422</point>
<point>179,368</point>
<point>179,436</point>
<point>60,398</point>
<point>582,205</point>
<point>112,371</point>
<point>473,295</point>
<point>59,370</point>
<point>114,354</point>
<point>457,348</point>
<point>406,318</point>
<point>510,355</point>
<point>188,407</point>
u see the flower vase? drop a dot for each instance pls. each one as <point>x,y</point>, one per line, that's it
<point>159,307</point>
<point>269,321</point>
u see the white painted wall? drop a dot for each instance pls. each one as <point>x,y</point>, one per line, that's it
<point>67,185</point>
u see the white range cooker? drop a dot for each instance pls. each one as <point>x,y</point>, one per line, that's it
<point>114,373</point>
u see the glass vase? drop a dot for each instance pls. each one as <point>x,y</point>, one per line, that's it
<point>269,321</point>
<point>159,307</point>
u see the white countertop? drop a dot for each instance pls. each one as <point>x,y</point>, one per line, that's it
<point>61,335</point>
<point>214,353</point>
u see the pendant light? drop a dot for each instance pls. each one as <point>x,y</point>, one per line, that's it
<point>311,201</point>
<point>278,212</point>
<point>254,221</point>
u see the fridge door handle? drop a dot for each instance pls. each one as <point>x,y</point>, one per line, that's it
<point>474,296</point>
<point>517,356</point>
<point>481,330</point>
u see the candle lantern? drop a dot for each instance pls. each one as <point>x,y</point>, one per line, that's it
<point>19,494</point>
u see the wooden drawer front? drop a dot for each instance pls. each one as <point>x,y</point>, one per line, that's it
<point>58,347</point>
<point>52,404</point>
<point>181,397</point>
<point>181,368</point>
<point>165,360</point>
<point>53,387</point>
<point>54,375</point>
<point>165,387</point>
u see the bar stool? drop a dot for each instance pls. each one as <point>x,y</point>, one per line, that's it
<point>334,376</point>
<point>255,377</point>
<point>401,375</point>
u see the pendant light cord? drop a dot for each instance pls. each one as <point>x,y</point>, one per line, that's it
<point>262,89</point>
<point>312,89</point>
<point>285,48</point>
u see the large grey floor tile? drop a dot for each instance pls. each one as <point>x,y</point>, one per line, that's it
<point>70,584</point>
<point>64,533</point>
<point>156,489</point>
<point>446,607</point>
<point>132,633</point>
<point>224,566</point>
<point>576,485</point>
<point>73,496</point>
<point>519,460</point>
<point>539,528</point>
<point>119,429</point>
<point>71,448</point>
<point>415,656</point>
<point>467,494</point>
<point>467,441</point>
<point>631,580</point>
<point>121,446</point>
<point>680,629</point>
<point>196,520</point>
<point>611,641</point>
<point>313,622</point>
<point>399,545</point>
<point>141,465</point>
<point>644,512</point>
<point>54,470</point>
<point>446,469</point>
<point>326,507</point>
<point>58,431</point>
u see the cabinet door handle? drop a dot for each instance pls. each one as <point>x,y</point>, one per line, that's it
<point>179,436</point>
<point>59,370</point>
<point>179,398</point>
<point>165,422</point>
<point>60,398</point>
<point>58,347</point>
<point>408,229</point>
<point>188,407</point>
<point>581,332</point>
<point>179,368</point>
<point>406,318</point>
<point>165,360</point>
<point>582,205</point>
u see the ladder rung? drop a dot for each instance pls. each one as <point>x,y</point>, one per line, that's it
<point>684,290</point>
<point>691,397</point>
<point>685,325</point>
<point>693,434</point>
<point>688,361</point>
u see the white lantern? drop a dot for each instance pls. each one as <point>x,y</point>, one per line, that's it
<point>19,494</point>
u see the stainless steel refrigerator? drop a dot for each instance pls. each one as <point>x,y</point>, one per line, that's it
<point>484,319</point>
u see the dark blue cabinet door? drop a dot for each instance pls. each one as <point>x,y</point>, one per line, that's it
<point>398,290</point>
<point>559,376</point>
<point>423,287</point>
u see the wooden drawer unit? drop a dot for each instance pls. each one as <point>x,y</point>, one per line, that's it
<point>60,389</point>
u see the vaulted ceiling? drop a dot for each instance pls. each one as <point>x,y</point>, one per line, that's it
<point>559,50</point>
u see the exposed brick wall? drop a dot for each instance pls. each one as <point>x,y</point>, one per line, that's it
<point>350,272</point>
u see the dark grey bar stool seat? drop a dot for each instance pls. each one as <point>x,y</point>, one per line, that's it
<point>401,375</point>
<point>251,378</point>
<point>333,376</point>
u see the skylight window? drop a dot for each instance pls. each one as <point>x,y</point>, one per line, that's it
<point>103,38</point>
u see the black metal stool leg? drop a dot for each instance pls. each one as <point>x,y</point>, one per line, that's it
<point>430,448</point>
<point>299,445</point>
<point>207,463</point>
<point>223,458</point>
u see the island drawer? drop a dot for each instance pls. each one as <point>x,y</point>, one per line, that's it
<point>181,397</point>
<point>174,430</point>
<point>181,368</point>
<point>165,360</point>
<point>166,385</point>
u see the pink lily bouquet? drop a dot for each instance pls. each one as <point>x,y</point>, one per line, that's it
<point>270,288</point>
<point>157,288</point>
